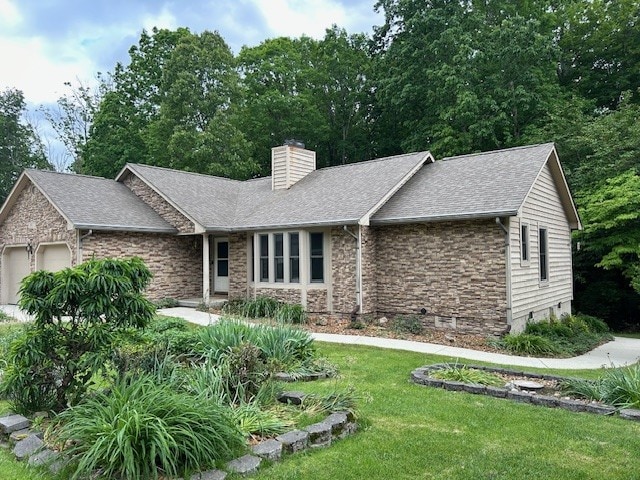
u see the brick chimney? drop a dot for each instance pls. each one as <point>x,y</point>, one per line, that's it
<point>290,163</point>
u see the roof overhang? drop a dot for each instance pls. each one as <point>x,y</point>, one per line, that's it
<point>562,186</point>
<point>125,228</point>
<point>445,218</point>
<point>289,226</point>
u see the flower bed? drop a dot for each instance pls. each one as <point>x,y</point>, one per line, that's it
<point>424,376</point>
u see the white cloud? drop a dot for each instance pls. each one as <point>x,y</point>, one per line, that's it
<point>9,14</point>
<point>165,19</point>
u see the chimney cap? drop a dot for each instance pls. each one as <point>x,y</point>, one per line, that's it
<point>294,143</point>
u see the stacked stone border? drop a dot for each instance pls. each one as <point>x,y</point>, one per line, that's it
<point>29,446</point>
<point>421,376</point>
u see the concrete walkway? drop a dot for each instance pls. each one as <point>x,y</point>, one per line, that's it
<point>621,351</point>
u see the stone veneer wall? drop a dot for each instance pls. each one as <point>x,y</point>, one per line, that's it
<point>369,280</point>
<point>289,295</point>
<point>175,261</point>
<point>317,300</point>
<point>238,266</point>
<point>159,204</point>
<point>343,270</point>
<point>34,219</point>
<point>455,270</point>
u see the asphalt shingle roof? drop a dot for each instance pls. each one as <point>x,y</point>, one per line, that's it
<point>98,203</point>
<point>332,195</point>
<point>483,184</point>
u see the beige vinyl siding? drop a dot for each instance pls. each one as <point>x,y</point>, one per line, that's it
<point>290,164</point>
<point>542,209</point>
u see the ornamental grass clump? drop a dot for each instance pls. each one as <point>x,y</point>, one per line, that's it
<point>141,430</point>
<point>619,387</point>
<point>462,373</point>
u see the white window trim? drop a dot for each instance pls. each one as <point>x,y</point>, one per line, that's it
<point>304,264</point>
<point>527,262</point>
<point>545,282</point>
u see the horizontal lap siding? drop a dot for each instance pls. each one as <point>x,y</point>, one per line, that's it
<point>542,208</point>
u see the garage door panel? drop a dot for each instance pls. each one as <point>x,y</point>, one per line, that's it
<point>15,266</point>
<point>54,257</point>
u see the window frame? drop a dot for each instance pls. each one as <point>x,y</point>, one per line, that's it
<point>525,244</point>
<point>543,255</point>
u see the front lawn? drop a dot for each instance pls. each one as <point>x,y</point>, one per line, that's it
<point>408,431</point>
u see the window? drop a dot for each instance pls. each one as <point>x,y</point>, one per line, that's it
<point>524,243</point>
<point>264,258</point>
<point>294,258</point>
<point>544,254</point>
<point>278,257</point>
<point>317,257</point>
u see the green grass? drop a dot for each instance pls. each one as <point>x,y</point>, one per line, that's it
<point>420,432</point>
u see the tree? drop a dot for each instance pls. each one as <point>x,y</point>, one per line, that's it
<point>76,314</point>
<point>172,106</point>
<point>611,214</point>
<point>463,76</point>
<point>600,44</point>
<point>72,117</point>
<point>20,147</point>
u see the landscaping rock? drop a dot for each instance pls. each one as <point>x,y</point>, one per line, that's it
<point>453,386</point>
<point>43,457</point>
<point>283,377</point>
<point>19,435</point>
<point>245,465</point>
<point>572,405</point>
<point>337,421</point>
<point>294,441</point>
<point>210,475</point>
<point>11,423</point>
<point>319,434</point>
<point>293,398</point>
<point>522,397</point>
<point>527,385</point>
<point>630,414</point>
<point>475,388</point>
<point>269,450</point>
<point>27,447</point>
<point>544,400</point>
<point>348,429</point>
<point>434,382</point>
<point>600,409</point>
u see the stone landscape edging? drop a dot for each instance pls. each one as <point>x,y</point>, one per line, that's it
<point>420,376</point>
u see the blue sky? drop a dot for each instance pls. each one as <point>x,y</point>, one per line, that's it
<point>44,43</point>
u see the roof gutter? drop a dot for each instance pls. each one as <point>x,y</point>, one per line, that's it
<point>443,218</point>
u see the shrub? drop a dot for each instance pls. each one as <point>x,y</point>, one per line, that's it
<point>77,312</point>
<point>594,324</point>
<point>166,303</point>
<point>528,344</point>
<point>462,373</point>
<point>5,317</point>
<point>407,324</point>
<point>290,313</point>
<point>266,307</point>
<point>140,429</point>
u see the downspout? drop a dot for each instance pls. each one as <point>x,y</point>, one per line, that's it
<point>507,258</point>
<point>79,249</point>
<point>358,306</point>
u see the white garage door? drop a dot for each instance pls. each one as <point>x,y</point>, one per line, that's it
<point>54,257</point>
<point>15,266</point>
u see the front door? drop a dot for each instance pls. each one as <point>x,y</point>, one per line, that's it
<point>221,265</point>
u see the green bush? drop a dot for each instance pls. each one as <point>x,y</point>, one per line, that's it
<point>407,324</point>
<point>290,313</point>
<point>619,387</point>
<point>166,303</point>
<point>594,324</point>
<point>5,318</point>
<point>77,314</point>
<point>527,344</point>
<point>140,430</point>
<point>266,307</point>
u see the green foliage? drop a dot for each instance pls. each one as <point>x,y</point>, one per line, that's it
<point>166,303</point>
<point>462,373</point>
<point>267,307</point>
<point>4,317</point>
<point>619,387</point>
<point>290,313</point>
<point>77,312</point>
<point>528,344</point>
<point>20,146</point>
<point>338,400</point>
<point>141,429</point>
<point>407,324</point>
<point>568,336</point>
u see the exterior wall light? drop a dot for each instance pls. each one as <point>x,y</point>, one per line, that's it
<point>29,248</point>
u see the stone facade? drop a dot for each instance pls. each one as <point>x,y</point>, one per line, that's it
<point>238,266</point>
<point>369,273</point>
<point>317,300</point>
<point>343,271</point>
<point>289,295</point>
<point>159,204</point>
<point>456,271</point>
<point>33,219</point>
<point>175,261</point>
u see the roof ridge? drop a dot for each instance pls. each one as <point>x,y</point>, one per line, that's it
<point>491,152</point>
<point>69,174</point>
<point>374,160</point>
<point>167,169</point>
